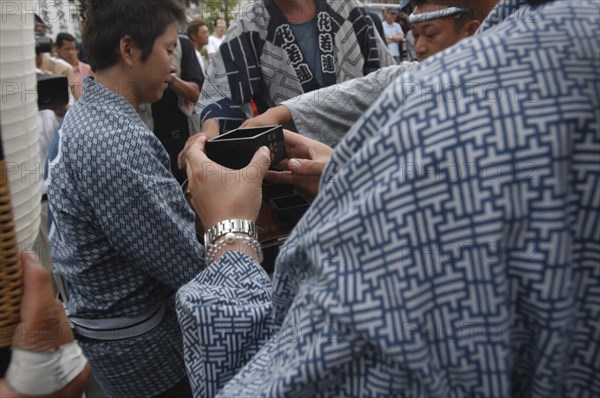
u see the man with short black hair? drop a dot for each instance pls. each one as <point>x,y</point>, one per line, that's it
<point>436,27</point>
<point>197,31</point>
<point>122,233</point>
<point>66,48</point>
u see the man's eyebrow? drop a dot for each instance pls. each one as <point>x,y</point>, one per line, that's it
<point>424,25</point>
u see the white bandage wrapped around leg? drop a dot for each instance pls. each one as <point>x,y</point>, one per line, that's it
<point>41,373</point>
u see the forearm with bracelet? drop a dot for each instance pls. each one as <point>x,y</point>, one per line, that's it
<point>232,233</point>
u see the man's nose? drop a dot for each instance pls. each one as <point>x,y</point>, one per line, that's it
<point>420,50</point>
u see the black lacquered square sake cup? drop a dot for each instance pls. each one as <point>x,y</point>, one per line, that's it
<point>272,190</point>
<point>236,148</point>
<point>287,210</point>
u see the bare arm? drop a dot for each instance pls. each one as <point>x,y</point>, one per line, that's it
<point>396,38</point>
<point>306,161</point>
<point>188,90</point>
<point>272,117</point>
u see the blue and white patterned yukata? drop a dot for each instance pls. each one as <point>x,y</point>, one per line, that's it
<point>261,58</point>
<point>122,235</point>
<point>455,250</point>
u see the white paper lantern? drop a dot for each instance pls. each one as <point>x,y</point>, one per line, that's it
<point>18,116</point>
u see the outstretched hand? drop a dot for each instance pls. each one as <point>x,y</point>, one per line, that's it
<point>182,156</point>
<point>306,161</point>
<point>219,193</point>
<point>271,117</point>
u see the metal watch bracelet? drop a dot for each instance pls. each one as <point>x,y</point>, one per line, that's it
<point>226,226</point>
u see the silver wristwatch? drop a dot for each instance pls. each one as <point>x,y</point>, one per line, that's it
<point>234,226</point>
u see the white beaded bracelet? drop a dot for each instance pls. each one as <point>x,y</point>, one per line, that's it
<point>232,238</point>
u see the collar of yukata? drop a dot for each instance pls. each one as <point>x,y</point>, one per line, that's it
<point>428,16</point>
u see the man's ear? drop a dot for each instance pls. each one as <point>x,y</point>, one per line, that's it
<point>126,47</point>
<point>471,27</point>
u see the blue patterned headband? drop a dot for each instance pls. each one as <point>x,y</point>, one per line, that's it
<point>427,16</point>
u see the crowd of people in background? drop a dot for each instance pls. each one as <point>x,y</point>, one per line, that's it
<point>67,58</point>
<point>380,112</point>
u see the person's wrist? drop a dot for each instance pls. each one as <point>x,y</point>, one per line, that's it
<point>270,116</point>
<point>285,116</point>
<point>238,242</point>
<point>46,334</point>
<point>230,226</point>
<point>232,235</point>
<point>44,373</point>
<point>211,128</point>
<point>279,115</point>
<point>239,249</point>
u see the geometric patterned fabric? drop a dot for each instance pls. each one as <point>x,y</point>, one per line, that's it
<point>261,59</point>
<point>123,236</point>
<point>454,247</point>
<point>318,114</point>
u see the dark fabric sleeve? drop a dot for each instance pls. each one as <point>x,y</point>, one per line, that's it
<point>234,76</point>
<point>373,48</point>
<point>378,24</point>
<point>190,67</point>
